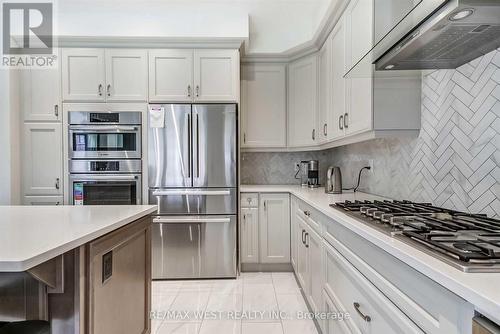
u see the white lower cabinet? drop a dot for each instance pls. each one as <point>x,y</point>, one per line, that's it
<point>42,159</point>
<point>333,324</point>
<point>274,222</point>
<point>249,240</point>
<point>43,200</point>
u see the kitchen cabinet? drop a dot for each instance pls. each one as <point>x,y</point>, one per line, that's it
<point>83,75</point>
<point>274,226</point>
<point>325,84</point>
<point>302,262</point>
<point>249,227</point>
<point>41,100</point>
<point>171,75</point>
<point>338,67</point>
<point>216,75</point>
<point>126,75</point>
<point>302,102</point>
<point>42,159</point>
<point>43,200</point>
<point>332,325</point>
<point>177,75</point>
<point>294,227</point>
<point>263,105</point>
<point>250,235</point>
<point>99,75</point>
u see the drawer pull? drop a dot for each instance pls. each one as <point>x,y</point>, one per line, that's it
<point>306,240</point>
<point>366,318</point>
<point>303,242</point>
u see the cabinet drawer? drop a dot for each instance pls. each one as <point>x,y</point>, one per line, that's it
<point>351,292</point>
<point>249,200</point>
<point>310,215</point>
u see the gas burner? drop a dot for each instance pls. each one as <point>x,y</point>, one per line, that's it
<point>470,242</point>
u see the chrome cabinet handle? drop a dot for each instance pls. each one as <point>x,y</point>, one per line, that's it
<point>108,90</point>
<point>244,218</point>
<point>56,110</point>
<point>306,238</point>
<point>189,90</point>
<point>265,206</point>
<point>58,185</point>
<point>366,318</point>
<point>99,89</point>
<point>341,122</point>
<point>307,213</point>
<point>197,90</point>
<point>325,131</point>
<point>346,123</point>
<point>314,134</point>
<point>303,242</point>
<point>244,138</point>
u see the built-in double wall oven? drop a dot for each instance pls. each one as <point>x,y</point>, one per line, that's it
<point>105,151</point>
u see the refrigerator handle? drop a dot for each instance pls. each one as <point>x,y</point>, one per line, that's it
<point>189,125</point>
<point>197,146</point>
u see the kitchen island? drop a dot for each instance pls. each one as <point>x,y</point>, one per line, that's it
<point>83,269</point>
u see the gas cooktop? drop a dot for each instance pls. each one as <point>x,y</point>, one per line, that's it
<point>469,242</point>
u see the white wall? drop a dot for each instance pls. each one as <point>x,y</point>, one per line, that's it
<point>271,25</point>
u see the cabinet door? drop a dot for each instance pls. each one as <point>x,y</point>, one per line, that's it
<point>274,228</point>
<point>263,105</point>
<point>325,91</point>
<point>216,75</point>
<point>302,263</point>
<point>294,241</point>
<point>171,75</point>
<point>315,269</point>
<point>359,27</point>
<point>126,75</point>
<point>83,75</point>
<point>43,200</point>
<point>331,325</point>
<point>42,174</point>
<point>249,235</point>
<point>338,81</point>
<point>41,95</point>
<point>302,102</point>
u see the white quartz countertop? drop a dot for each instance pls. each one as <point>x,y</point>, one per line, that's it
<point>31,235</point>
<point>480,289</point>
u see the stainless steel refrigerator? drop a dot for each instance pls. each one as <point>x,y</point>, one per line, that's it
<point>192,176</point>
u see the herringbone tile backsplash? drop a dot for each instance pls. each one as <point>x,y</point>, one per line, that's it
<point>455,161</point>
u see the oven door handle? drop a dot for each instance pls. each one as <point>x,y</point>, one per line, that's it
<point>104,177</point>
<point>192,192</point>
<point>101,128</point>
<point>187,220</point>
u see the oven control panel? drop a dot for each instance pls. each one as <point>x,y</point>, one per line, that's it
<point>104,166</point>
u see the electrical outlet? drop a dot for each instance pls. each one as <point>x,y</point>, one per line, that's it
<point>370,163</point>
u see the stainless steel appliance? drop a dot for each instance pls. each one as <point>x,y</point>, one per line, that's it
<point>107,135</point>
<point>433,34</point>
<point>469,242</point>
<point>192,177</point>
<point>333,184</point>
<point>105,182</point>
<point>313,173</point>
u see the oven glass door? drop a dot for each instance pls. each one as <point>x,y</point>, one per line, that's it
<point>109,142</point>
<point>106,190</point>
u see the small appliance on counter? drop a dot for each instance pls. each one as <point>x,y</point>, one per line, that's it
<point>309,173</point>
<point>333,184</point>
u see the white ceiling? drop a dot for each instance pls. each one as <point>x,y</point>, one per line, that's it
<point>271,26</point>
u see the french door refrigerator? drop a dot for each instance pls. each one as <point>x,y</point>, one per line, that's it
<point>192,176</point>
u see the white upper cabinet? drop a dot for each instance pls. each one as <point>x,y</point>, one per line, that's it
<point>216,75</point>
<point>41,95</point>
<point>274,226</point>
<point>99,75</point>
<point>126,75</point>
<point>83,75</point>
<point>336,130</point>
<point>171,75</point>
<point>359,93</point>
<point>302,102</point>
<point>42,159</point>
<point>325,91</point>
<point>263,105</point>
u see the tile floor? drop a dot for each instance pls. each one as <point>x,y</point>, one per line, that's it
<point>268,303</point>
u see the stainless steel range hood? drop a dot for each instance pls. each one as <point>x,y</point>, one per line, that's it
<point>447,35</point>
